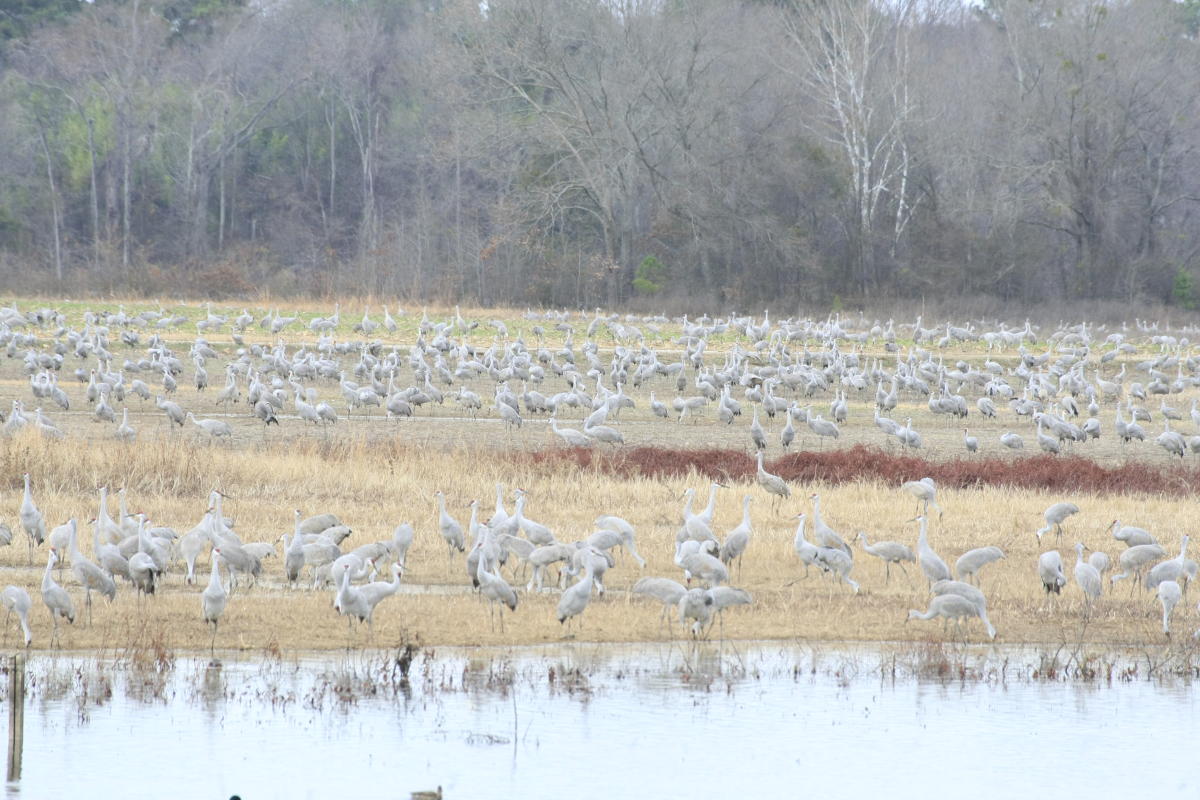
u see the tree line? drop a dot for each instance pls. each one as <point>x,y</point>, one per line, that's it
<point>589,152</point>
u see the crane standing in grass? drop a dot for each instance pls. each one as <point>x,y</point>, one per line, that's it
<point>213,599</point>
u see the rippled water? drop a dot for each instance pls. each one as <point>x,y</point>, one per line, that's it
<point>586,721</point>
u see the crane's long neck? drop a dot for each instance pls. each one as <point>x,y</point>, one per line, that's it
<point>712,502</point>
<point>800,540</point>
<point>296,544</point>
<point>746,511</point>
<point>924,538</point>
<point>214,576</point>
<point>473,526</point>
<point>73,543</point>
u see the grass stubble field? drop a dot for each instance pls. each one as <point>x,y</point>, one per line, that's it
<point>375,473</point>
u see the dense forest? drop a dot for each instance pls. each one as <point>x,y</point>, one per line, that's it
<point>587,152</point>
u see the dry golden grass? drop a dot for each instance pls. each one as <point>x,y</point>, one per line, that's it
<point>375,473</point>
<point>373,486</point>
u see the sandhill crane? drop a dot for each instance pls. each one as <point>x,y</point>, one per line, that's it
<point>44,426</point>
<point>969,563</point>
<point>293,554</point>
<point>823,428</point>
<point>535,532</point>
<point>544,556</point>
<point>806,550</point>
<point>1012,441</point>
<point>1055,515</point>
<point>575,599</point>
<point>658,408</point>
<point>495,589</point>
<point>1136,560</point>
<point>908,437</point>
<point>509,416</point>
<point>788,434</point>
<point>953,607</point>
<point>31,519</point>
<point>570,436</point>
<point>705,567</point>
<point>1168,594</point>
<point>142,569</point>
<point>724,597</point>
<point>1050,571</point>
<point>213,599</point>
<point>604,433</point>
<point>757,435</point>
<point>1130,535</point>
<point>931,563</point>
<point>969,593</point>
<point>826,536</point>
<point>174,412</point>
<point>1176,569</point>
<point>970,442</point>
<point>215,428</point>
<point>377,591</point>
<point>402,539</point>
<point>305,410</point>
<point>738,539</point>
<point>349,602</point>
<point>450,529</point>
<point>664,590</point>
<point>55,597</point>
<point>125,431</point>
<point>1087,577</point>
<point>1100,560</point>
<point>696,605</point>
<point>89,575</point>
<point>772,483</point>
<point>16,601</point>
<point>838,562</point>
<point>625,531</point>
<point>925,490</point>
<point>888,552</point>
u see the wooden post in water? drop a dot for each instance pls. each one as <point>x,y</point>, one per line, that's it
<point>16,715</point>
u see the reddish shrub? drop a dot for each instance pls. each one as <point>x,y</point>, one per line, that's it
<point>1043,471</point>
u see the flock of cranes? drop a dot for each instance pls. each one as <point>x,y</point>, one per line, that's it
<point>508,555</point>
<point>1056,385</point>
<point>1059,397</point>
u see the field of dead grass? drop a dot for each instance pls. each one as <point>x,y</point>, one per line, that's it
<point>374,485</point>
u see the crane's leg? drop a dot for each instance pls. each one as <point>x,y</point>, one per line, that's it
<point>887,572</point>
<point>7,619</point>
<point>88,602</point>
<point>212,646</point>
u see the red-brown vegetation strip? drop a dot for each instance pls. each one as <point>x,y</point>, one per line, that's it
<point>1059,473</point>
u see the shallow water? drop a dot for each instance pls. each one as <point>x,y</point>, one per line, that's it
<point>588,721</point>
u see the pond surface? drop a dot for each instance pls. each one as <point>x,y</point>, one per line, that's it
<point>762,720</point>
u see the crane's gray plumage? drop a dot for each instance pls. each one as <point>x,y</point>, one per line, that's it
<point>969,563</point>
<point>1055,515</point>
<point>955,607</point>
<point>888,552</point>
<point>932,565</point>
